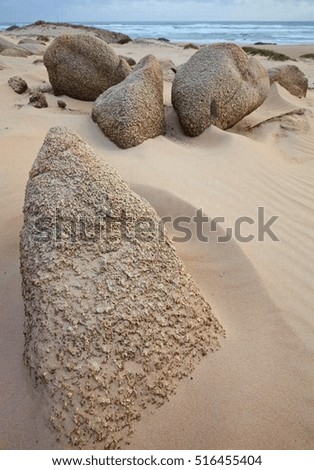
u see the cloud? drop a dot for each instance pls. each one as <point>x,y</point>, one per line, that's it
<point>156,10</point>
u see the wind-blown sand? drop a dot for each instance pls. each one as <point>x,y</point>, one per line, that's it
<point>257,391</point>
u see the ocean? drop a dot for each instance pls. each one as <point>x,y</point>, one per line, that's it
<point>291,32</point>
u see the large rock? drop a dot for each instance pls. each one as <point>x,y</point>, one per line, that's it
<point>133,111</point>
<point>218,85</point>
<point>83,66</point>
<point>291,78</point>
<point>113,321</point>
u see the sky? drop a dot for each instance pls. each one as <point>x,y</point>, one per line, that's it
<point>156,10</point>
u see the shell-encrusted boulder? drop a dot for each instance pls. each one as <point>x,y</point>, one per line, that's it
<point>133,111</point>
<point>220,84</point>
<point>82,66</point>
<point>113,321</point>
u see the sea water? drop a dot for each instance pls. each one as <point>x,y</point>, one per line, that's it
<point>291,32</point>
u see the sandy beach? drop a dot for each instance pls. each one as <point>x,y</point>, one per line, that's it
<point>256,392</point>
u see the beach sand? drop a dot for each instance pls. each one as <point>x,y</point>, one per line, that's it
<point>257,391</point>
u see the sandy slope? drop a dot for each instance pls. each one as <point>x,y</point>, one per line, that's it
<point>257,391</point>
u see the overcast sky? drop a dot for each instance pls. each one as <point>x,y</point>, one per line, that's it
<point>155,10</point>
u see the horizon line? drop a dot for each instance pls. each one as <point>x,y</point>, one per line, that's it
<point>155,21</point>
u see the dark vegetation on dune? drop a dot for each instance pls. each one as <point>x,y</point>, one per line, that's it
<point>272,55</point>
<point>191,46</point>
<point>307,56</point>
<point>12,28</point>
<point>259,43</point>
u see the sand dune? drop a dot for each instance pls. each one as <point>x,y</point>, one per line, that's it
<point>257,391</point>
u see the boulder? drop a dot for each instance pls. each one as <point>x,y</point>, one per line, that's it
<point>218,85</point>
<point>17,84</point>
<point>291,78</point>
<point>133,111</point>
<point>82,66</point>
<point>38,100</point>
<point>112,319</point>
<point>10,49</point>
